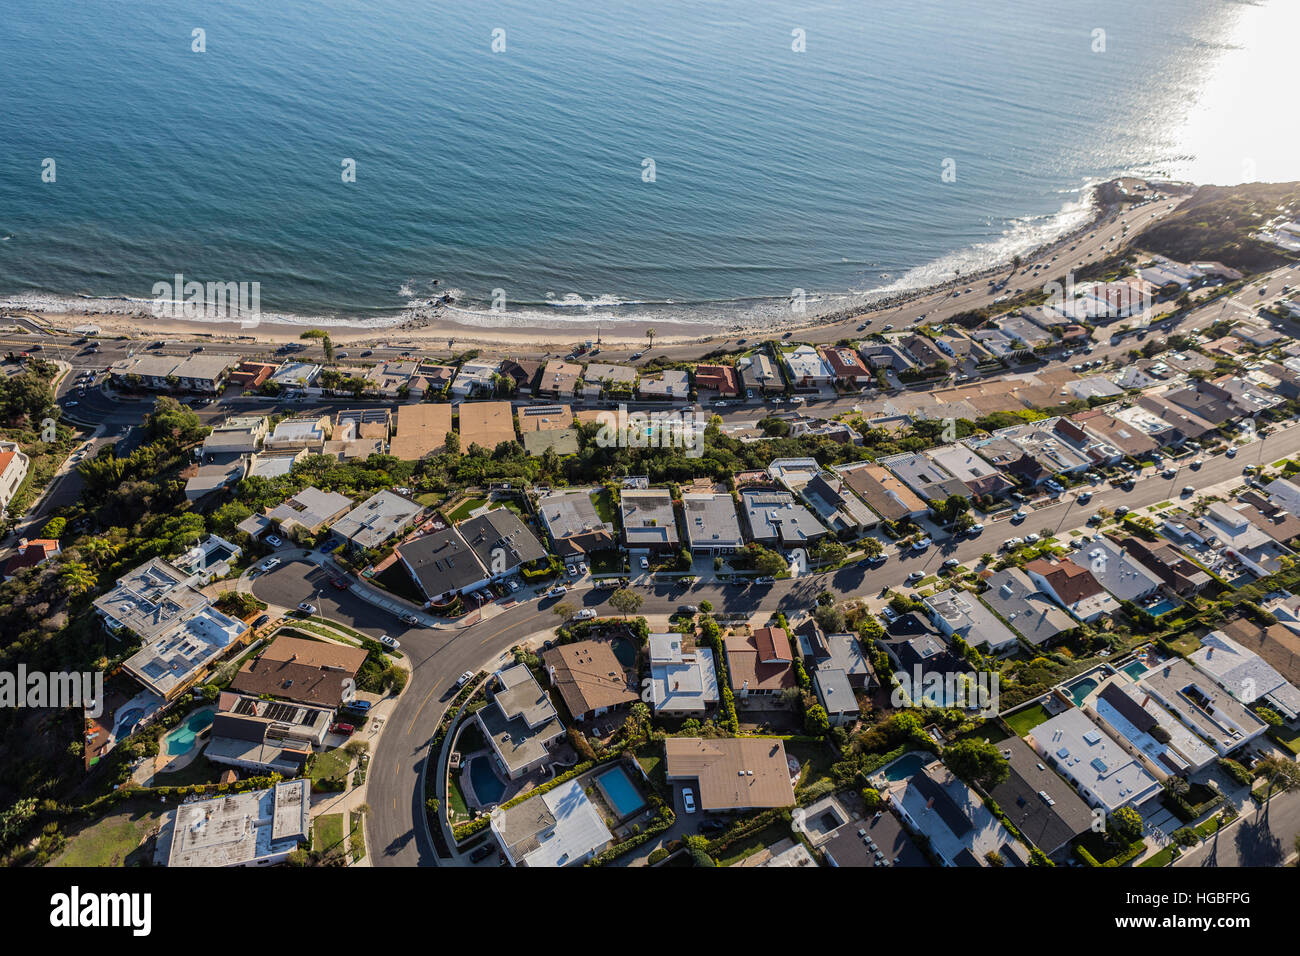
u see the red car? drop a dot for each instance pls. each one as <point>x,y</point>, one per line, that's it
<point>345,729</point>
<point>341,583</point>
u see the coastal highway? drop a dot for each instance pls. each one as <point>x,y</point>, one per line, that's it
<point>397,833</point>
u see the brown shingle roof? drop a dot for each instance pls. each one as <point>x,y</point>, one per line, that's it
<point>310,672</point>
<point>588,676</point>
<point>733,773</point>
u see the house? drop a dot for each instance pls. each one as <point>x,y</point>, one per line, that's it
<point>622,377</point>
<point>251,374</point>
<point>486,424</point>
<point>670,384</point>
<point>421,430</point>
<point>963,463</point>
<point>1131,715</point>
<point>1016,599</point>
<point>590,679</point>
<point>838,507</point>
<point>1275,521</point>
<point>1102,771</point>
<point>761,663</point>
<point>30,553</point>
<point>924,351</point>
<point>296,375</point>
<point>758,372</point>
<point>793,473</point>
<point>806,367</point>
<point>559,379</point>
<point>476,378</point>
<point>926,478</point>
<point>540,418</point>
<point>1022,332</point>
<point>1278,644</point>
<point>1044,808</point>
<point>205,372</point>
<point>776,519</point>
<point>266,736</point>
<point>253,828</point>
<point>1246,675</point>
<point>1241,539</point>
<point>1162,272</point>
<point>1131,441</point>
<point>846,366</point>
<point>237,435</point>
<point>537,443</point>
<point>1045,452</point>
<point>884,493</point>
<point>886,355</point>
<point>560,827</point>
<point>523,373</point>
<point>1284,493</point>
<point>307,431</point>
<point>209,478</point>
<point>1093,387</point>
<point>1179,424</point>
<point>520,724</point>
<point>998,344</point>
<point>683,678</point>
<point>1072,587</point>
<point>13,470</point>
<point>961,830</point>
<point>717,378</point>
<point>318,673</point>
<point>1204,707</point>
<point>918,650</point>
<point>731,773</point>
<point>443,565</point>
<point>207,560</point>
<point>1178,572</point>
<point>1119,572</point>
<point>649,522</point>
<point>501,541</point>
<point>390,379</point>
<point>876,840</point>
<point>712,525</point>
<point>843,652</point>
<point>960,614</point>
<point>382,516</point>
<point>151,600</point>
<point>181,656</point>
<point>835,694</point>
<point>574,527</point>
<point>308,511</point>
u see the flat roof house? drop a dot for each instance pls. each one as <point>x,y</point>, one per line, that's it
<point>1043,807</point>
<point>309,672</point>
<point>383,515</point>
<point>838,507</point>
<point>670,384</point>
<point>180,657</point>
<point>1130,714</point>
<point>731,773</point>
<point>1030,612</point>
<point>960,614</point>
<point>884,493</point>
<point>760,664</point>
<point>309,510</point>
<point>574,526</point>
<point>486,424</point>
<point>559,379</point>
<point>590,679</point>
<point>560,827</point>
<point>475,378</point>
<point>1240,538</point>
<point>151,599</point>
<point>520,723</point>
<point>421,430</point>
<point>712,525</point>
<point>255,828</point>
<point>776,519</point>
<point>1200,703</point>
<point>1098,767</point>
<point>443,565</point>
<point>309,432</point>
<point>649,522</point>
<point>683,679</point>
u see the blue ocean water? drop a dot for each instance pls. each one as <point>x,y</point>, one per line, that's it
<point>522,170</point>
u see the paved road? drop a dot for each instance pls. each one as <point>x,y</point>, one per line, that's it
<point>1263,838</point>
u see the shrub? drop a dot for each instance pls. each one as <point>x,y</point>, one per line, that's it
<point>658,855</point>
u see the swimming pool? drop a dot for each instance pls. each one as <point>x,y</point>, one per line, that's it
<point>181,740</point>
<point>1134,669</point>
<point>126,722</point>
<point>620,792</point>
<point>906,766</point>
<point>624,651</point>
<point>1081,689</point>
<point>488,787</point>
<point>1163,606</point>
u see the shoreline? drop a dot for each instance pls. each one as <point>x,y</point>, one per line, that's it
<point>437,326</point>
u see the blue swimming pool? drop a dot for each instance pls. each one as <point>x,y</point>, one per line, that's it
<point>906,766</point>
<point>488,787</point>
<point>1163,606</point>
<point>181,740</point>
<point>1081,689</point>
<point>126,722</point>
<point>620,791</point>
<point>1134,669</point>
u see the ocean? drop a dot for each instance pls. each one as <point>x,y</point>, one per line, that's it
<point>682,160</point>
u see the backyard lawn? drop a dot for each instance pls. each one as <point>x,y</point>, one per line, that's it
<point>815,760</point>
<point>604,503</point>
<point>1185,643</point>
<point>463,510</point>
<point>332,764</point>
<point>1023,721</point>
<point>111,839</point>
<point>748,846</point>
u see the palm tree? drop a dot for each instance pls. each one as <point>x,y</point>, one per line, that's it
<point>1283,776</point>
<point>650,334</point>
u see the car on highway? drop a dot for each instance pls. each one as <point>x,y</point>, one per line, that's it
<point>464,679</point>
<point>797,400</point>
<point>273,541</point>
<point>347,730</point>
<point>367,353</point>
<point>558,591</point>
<point>719,404</point>
<point>389,642</point>
<point>269,563</point>
<point>586,614</point>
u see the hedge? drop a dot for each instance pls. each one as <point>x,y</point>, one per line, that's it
<point>1127,855</point>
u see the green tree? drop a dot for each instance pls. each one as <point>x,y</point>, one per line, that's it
<point>626,601</point>
<point>1125,824</point>
<point>452,443</point>
<point>816,723</point>
<point>54,528</point>
<point>977,762</point>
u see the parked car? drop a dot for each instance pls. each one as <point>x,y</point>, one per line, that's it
<point>1188,491</point>
<point>915,576</point>
<point>921,544</point>
<point>688,800</point>
<point>558,591</point>
<point>1031,539</point>
<point>341,728</point>
<point>1121,511</point>
<point>482,853</point>
<point>976,528</point>
<point>1084,498</point>
<point>1231,452</point>
<point>389,641</point>
<point>410,619</point>
<point>645,563</point>
<point>358,706</point>
<point>1020,515</point>
<point>269,563</point>
<point>307,608</point>
<point>951,563</point>
<point>689,609</point>
<point>464,679</point>
<point>341,584</point>
<point>264,619</point>
<point>765,580</point>
<point>586,614</point>
<point>274,540</point>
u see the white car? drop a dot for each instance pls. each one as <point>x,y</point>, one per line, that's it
<point>270,563</point>
<point>464,679</point>
<point>273,541</point>
<point>797,400</point>
<point>389,641</point>
<point>586,614</point>
<point>688,800</point>
<point>307,608</point>
<point>1031,539</point>
<point>645,563</point>
<point>921,545</point>
<point>976,529</point>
